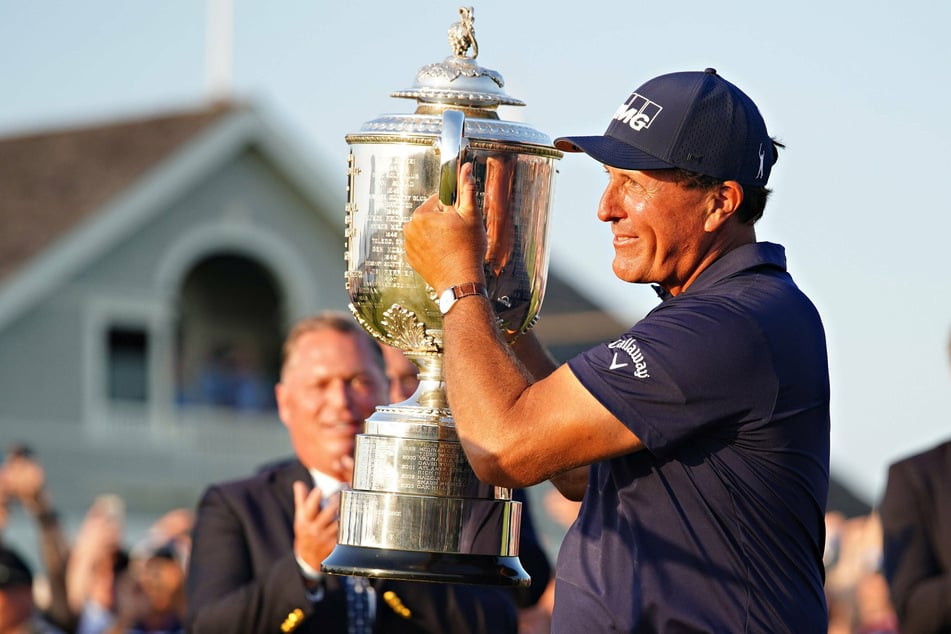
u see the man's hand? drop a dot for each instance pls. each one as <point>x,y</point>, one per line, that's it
<point>315,528</point>
<point>446,245</point>
<point>26,481</point>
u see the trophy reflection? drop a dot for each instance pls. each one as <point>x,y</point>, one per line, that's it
<point>416,510</point>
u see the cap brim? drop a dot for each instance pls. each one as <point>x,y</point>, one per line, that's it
<point>610,151</point>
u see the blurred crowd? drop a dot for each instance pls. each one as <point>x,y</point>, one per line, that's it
<point>856,590</point>
<point>93,582</point>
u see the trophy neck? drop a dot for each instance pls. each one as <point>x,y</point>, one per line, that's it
<point>425,414</point>
<point>430,395</point>
<point>431,392</point>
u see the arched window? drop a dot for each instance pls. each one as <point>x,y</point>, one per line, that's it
<point>230,312</point>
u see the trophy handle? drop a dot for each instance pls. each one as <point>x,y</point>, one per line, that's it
<point>452,146</point>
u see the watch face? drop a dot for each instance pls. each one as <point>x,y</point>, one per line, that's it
<point>446,300</point>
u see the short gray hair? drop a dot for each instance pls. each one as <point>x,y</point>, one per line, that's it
<point>330,320</point>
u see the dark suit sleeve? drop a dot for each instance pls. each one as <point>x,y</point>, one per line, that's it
<point>437,608</point>
<point>920,588</point>
<point>226,593</point>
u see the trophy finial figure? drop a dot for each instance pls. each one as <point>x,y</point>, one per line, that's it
<point>462,34</point>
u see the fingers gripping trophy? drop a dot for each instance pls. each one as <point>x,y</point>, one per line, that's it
<point>416,510</point>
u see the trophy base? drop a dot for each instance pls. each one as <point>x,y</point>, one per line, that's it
<point>407,565</point>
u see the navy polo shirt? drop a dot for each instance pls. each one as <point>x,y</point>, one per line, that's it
<point>718,526</point>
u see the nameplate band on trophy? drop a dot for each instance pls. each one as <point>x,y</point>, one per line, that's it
<point>429,523</point>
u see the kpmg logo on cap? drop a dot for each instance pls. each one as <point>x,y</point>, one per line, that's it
<point>638,112</point>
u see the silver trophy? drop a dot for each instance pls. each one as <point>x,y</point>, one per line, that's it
<point>416,510</point>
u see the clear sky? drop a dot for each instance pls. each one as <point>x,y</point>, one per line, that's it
<point>858,91</point>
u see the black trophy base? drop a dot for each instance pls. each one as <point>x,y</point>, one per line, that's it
<point>408,565</point>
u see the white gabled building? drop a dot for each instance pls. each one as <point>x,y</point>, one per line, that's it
<point>133,253</point>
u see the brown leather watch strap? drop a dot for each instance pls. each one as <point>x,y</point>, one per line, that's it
<point>451,295</point>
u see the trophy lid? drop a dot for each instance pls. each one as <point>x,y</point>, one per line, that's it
<point>459,80</point>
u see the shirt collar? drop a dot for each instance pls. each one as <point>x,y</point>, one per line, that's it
<point>327,484</point>
<point>742,258</point>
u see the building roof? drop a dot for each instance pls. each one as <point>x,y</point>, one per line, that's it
<point>52,181</point>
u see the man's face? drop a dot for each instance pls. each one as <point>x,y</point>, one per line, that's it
<point>329,385</point>
<point>402,374</point>
<point>658,227</point>
<point>163,583</point>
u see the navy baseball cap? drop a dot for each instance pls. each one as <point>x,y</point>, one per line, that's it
<point>694,120</point>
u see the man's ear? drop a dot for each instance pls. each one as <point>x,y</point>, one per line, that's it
<point>280,394</point>
<point>726,200</point>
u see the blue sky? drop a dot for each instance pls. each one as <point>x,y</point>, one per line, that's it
<point>858,91</point>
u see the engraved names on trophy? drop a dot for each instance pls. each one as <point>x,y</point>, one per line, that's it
<point>394,183</point>
<point>423,467</point>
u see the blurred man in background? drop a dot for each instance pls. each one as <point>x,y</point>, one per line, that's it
<point>258,542</point>
<point>916,520</point>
